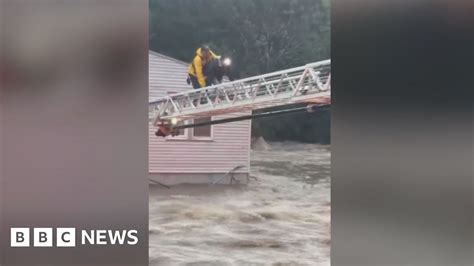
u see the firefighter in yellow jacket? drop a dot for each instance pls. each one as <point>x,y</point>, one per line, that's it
<point>196,70</point>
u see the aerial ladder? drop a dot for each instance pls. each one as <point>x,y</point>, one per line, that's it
<point>309,84</point>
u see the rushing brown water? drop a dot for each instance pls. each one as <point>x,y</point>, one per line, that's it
<point>282,218</point>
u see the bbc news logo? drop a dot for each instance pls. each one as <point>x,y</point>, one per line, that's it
<point>66,237</point>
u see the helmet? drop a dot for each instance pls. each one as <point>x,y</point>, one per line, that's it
<point>205,47</point>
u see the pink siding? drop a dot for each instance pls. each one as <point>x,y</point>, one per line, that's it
<point>230,143</point>
<point>165,74</point>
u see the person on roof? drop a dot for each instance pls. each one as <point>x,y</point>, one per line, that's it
<point>196,70</point>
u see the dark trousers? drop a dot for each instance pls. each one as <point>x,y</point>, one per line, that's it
<point>194,82</point>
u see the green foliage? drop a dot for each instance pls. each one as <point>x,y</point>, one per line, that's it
<point>260,35</point>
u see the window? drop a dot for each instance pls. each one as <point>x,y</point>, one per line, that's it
<point>204,131</point>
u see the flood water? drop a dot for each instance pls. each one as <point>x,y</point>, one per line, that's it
<point>281,218</point>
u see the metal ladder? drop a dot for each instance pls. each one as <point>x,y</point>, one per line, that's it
<point>301,84</point>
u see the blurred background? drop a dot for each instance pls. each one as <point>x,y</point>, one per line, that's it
<point>73,142</point>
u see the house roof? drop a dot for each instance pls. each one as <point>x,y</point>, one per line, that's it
<point>165,75</point>
<point>168,57</point>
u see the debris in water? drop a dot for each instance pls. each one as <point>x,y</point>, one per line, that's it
<point>259,144</point>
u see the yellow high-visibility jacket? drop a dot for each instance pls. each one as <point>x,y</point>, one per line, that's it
<point>195,68</point>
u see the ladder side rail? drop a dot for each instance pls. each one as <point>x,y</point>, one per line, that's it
<point>244,88</point>
<point>247,94</point>
<point>184,96</point>
<point>300,82</point>
<point>245,108</point>
<point>237,96</point>
<point>316,64</point>
<point>247,104</point>
<point>279,85</point>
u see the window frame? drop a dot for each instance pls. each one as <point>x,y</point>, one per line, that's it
<point>189,134</point>
<point>201,138</point>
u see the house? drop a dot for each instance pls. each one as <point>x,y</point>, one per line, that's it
<point>197,155</point>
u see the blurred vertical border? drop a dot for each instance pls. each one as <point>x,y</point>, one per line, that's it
<point>402,132</point>
<point>74,86</point>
